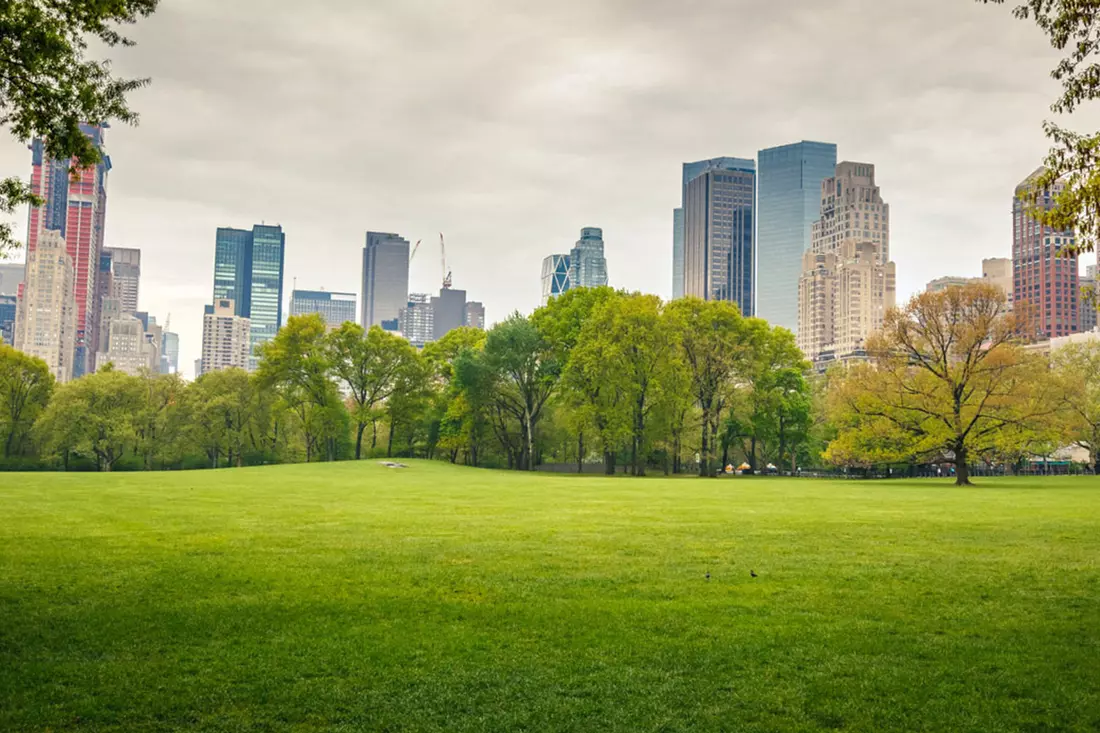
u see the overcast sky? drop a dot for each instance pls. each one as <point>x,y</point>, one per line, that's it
<point>510,124</point>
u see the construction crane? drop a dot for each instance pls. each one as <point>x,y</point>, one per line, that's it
<point>443,255</point>
<point>415,247</point>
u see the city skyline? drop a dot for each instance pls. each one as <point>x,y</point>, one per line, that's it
<point>544,138</point>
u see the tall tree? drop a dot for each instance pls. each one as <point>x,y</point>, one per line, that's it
<point>48,86</point>
<point>947,383</point>
<point>1073,27</point>
<point>95,416</point>
<point>368,364</point>
<point>714,349</point>
<point>160,425</point>
<point>221,414</point>
<point>25,388</point>
<point>1077,370</point>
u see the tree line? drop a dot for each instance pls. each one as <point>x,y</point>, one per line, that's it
<point>597,378</point>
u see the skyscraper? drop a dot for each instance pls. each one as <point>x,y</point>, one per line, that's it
<point>587,264</point>
<point>555,276</point>
<point>125,278</point>
<point>335,308</point>
<point>448,312</point>
<point>128,349</point>
<point>417,319</point>
<point>847,282</point>
<point>475,315</point>
<point>385,278</point>
<point>76,208</point>
<point>677,253</point>
<point>1046,283</point>
<point>11,278</point>
<point>226,338</point>
<point>170,352</point>
<point>788,204</point>
<point>248,272</point>
<point>719,214</point>
<point>45,321</point>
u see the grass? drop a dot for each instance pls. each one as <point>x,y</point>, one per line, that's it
<point>354,597</point>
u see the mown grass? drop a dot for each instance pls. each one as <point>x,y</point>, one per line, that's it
<point>353,597</point>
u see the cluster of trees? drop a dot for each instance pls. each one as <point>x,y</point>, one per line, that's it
<point>596,376</point>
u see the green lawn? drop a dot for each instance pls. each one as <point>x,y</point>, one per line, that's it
<point>354,597</point>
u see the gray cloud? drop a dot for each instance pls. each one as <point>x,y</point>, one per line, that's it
<point>510,125</point>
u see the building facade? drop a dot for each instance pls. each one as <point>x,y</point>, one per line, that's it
<point>847,282</point>
<point>788,203</point>
<point>170,352</point>
<point>385,278</point>
<point>587,264</point>
<point>74,206</point>
<point>11,278</point>
<point>1087,308</point>
<point>417,319</point>
<point>46,313</point>
<point>677,253</point>
<point>448,312</point>
<point>125,277</point>
<point>129,348</point>
<point>719,222</point>
<point>555,276</point>
<point>475,315</point>
<point>336,308</point>
<point>226,338</point>
<point>1045,277</point>
<point>248,272</point>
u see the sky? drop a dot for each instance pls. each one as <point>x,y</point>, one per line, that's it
<point>509,125</point>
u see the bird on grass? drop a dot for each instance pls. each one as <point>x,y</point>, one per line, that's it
<point>753,573</point>
<point>708,576</point>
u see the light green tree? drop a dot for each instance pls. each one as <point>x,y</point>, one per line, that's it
<point>25,388</point>
<point>1076,368</point>
<point>94,416</point>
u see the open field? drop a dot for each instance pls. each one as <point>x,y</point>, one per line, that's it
<point>353,597</point>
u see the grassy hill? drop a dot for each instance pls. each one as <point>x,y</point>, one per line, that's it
<point>354,597</point>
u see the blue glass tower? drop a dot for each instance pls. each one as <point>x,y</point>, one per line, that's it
<point>788,204</point>
<point>248,269</point>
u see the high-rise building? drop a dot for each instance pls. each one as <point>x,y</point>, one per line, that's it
<point>475,315</point>
<point>677,253</point>
<point>125,277</point>
<point>417,319</point>
<point>170,352</point>
<point>335,308</point>
<point>74,206</point>
<point>719,221</point>
<point>11,277</point>
<point>129,348</point>
<point>248,271</point>
<point>46,314</point>
<point>1087,308</point>
<point>385,278</point>
<point>997,271</point>
<point>1046,284</point>
<point>788,203</point>
<point>226,338</point>
<point>555,276</point>
<point>849,256</point>
<point>587,264</point>
<point>448,312</point>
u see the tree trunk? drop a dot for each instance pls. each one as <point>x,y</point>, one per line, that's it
<point>362,428</point>
<point>752,455</point>
<point>374,434</point>
<point>389,442</point>
<point>609,463</point>
<point>962,467</point>
<point>704,457</point>
<point>530,440</point>
<point>580,452</point>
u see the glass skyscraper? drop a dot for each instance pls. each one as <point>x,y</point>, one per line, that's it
<point>335,308</point>
<point>555,276</point>
<point>587,264</point>
<point>788,204</point>
<point>719,221</point>
<point>677,253</point>
<point>248,270</point>
<point>385,279</point>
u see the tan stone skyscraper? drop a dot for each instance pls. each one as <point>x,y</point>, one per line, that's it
<point>847,282</point>
<point>45,320</point>
<point>226,338</point>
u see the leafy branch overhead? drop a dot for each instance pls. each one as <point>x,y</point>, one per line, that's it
<point>1073,27</point>
<point>49,86</point>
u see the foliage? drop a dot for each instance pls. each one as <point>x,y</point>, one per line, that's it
<point>25,388</point>
<point>95,416</point>
<point>48,87</point>
<point>1076,369</point>
<point>947,383</point>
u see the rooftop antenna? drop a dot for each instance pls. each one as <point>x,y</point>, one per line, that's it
<point>446,272</point>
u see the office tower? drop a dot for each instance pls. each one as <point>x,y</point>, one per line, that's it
<point>719,206</point>
<point>226,338</point>
<point>125,276</point>
<point>475,315</point>
<point>587,264</point>
<point>335,308</point>
<point>849,254</point>
<point>76,208</point>
<point>1087,305</point>
<point>385,278</point>
<point>109,310</point>
<point>677,253</point>
<point>788,203</point>
<point>170,352</point>
<point>128,348</point>
<point>11,277</point>
<point>46,314</point>
<point>248,271</point>
<point>448,312</point>
<point>417,319</point>
<point>555,276</point>
<point>1046,282</point>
